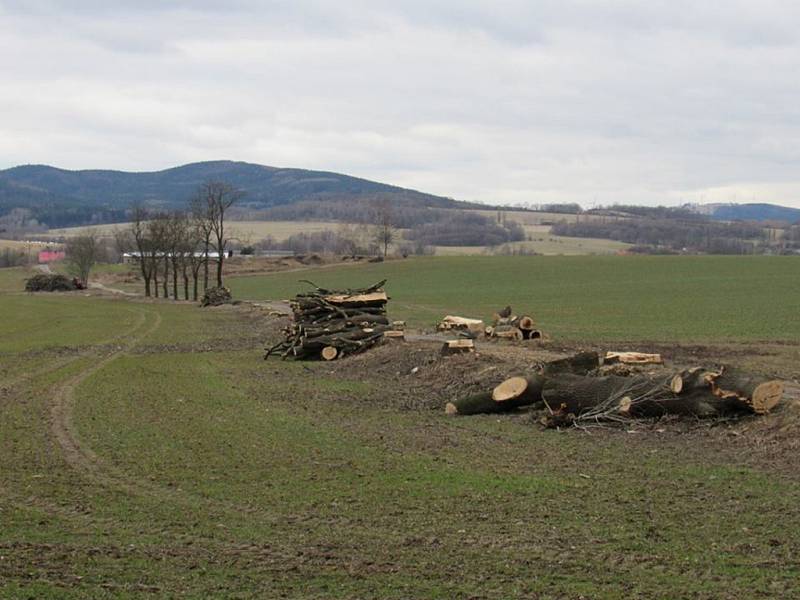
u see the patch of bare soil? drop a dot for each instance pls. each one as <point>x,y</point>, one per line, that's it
<point>416,376</point>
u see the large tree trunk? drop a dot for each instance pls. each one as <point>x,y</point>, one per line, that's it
<point>570,393</point>
<point>481,403</point>
<point>174,281</point>
<point>579,364</point>
<point>519,391</point>
<point>752,393</point>
<point>205,268</point>
<point>147,287</point>
<point>166,278</point>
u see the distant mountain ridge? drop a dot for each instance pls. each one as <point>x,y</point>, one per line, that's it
<point>70,197</point>
<point>748,212</point>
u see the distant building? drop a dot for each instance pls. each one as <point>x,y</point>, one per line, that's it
<point>48,256</point>
<point>133,257</point>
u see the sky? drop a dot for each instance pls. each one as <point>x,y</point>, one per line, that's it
<point>511,102</point>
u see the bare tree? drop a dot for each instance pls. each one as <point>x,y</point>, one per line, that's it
<point>197,242</point>
<point>384,225</point>
<point>82,252</point>
<point>176,228</point>
<point>202,216</point>
<point>212,201</point>
<point>138,236</point>
<point>155,253</point>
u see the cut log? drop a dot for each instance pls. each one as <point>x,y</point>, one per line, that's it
<point>575,398</point>
<point>532,334</point>
<point>756,394</point>
<point>579,364</point>
<point>571,393</point>
<point>632,358</point>
<point>455,322</point>
<point>458,346</point>
<point>393,334</point>
<point>476,404</point>
<point>519,391</point>
<point>357,299</point>
<point>691,380</point>
<point>507,332</point>
<point>329,353</point>
<point>525,323</point>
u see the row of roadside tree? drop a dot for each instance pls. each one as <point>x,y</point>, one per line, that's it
<point>175,250</point>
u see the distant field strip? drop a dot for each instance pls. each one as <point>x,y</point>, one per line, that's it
<point>681,298</point>
<point>540,240</point>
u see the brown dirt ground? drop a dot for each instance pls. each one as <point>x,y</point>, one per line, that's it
<point>415,376</point>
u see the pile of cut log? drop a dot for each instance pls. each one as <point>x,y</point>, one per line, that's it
<point>509,326</point>
<point>331,324</point>
<point>571,392</point>
<point>505,325</point>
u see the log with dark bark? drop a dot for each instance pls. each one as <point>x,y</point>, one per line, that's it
<point>570,393</point>
<point>691,380</point>
<point>473,405</point>
<point>519,391</point>
<point>697,392</point>
<point>756,394</point>
<point>580,364</point>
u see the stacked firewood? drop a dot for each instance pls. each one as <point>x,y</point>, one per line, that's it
<point>331,324</point>
<point>571,392</point>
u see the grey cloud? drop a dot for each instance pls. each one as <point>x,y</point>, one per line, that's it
<point>496,101</point>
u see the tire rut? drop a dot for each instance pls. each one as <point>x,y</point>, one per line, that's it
<point>84,460</point>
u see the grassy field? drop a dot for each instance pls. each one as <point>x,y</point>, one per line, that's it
<point>248,231</point>
<point>147,450</point>
<point>542,242</point>
<point>686,298</point>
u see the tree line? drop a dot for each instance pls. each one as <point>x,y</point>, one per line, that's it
<point>175,250</point>
<point>652,234</point>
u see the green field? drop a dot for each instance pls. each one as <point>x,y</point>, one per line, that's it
<point>147,451</point>
<point>688,299</point>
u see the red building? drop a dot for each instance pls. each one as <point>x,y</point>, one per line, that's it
<point>47,256</point>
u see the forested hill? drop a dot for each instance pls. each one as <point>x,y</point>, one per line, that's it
<point>61,197</point>
<point>755,212</point>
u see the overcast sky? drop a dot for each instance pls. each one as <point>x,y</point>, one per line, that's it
<point>593,101</point>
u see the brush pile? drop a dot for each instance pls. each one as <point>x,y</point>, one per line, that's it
<point>46,282</point>
<point>331,324</point>
<point>216,296</point>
